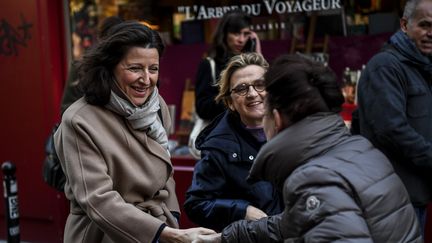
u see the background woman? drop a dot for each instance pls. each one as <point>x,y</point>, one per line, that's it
<point>113,146</point>
<point>232,36</point>
<point>219,193</point>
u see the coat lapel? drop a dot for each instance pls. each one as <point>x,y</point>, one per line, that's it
<point>151,145</point>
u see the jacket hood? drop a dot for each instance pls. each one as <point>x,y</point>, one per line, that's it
<point>294,146</point>
<point>408,52</point>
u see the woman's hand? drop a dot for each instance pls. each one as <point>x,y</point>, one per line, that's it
<point>169,234</point>
<point>212,238</point>
<point>253,213</point>
<point>258,42</point>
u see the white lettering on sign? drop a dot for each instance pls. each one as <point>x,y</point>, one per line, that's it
<point>269,26</point>
<point>13,186</point>
<point>13,207</point>
<point>14,230</point>
<point>197,12</point>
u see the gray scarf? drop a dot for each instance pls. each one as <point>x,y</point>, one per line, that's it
<point>408,49</point>
<point>143,118</point>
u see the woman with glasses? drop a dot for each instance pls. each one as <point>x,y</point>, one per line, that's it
<point>113,146</point>
<point>219,193</point>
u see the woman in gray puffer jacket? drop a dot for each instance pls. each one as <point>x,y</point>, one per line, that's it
<point>336,187</point>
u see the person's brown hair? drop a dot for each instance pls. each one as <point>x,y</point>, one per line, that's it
<point>231,22</point>
<point>298,87</point>
<point>97,65</point>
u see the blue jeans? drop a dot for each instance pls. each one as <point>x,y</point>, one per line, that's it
<point>421,215</point>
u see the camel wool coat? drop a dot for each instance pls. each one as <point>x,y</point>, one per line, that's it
<point>119,181</point>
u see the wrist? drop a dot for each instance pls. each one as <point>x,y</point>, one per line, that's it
<point>158,233</point>
<point>168,234</point>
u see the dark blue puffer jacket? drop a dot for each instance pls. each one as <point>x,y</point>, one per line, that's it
<point>219,193</point>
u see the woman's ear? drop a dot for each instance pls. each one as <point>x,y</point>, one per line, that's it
<point>230,105</point>
<point>277,120</point>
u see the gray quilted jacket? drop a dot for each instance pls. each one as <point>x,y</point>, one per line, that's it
<point>336,187</point>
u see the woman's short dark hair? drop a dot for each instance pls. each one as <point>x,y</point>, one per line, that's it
<point>298,87</point>
<point>231,22</point>
<point>96,69</point>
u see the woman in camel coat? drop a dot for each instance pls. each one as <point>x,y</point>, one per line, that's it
<point>113,146</point>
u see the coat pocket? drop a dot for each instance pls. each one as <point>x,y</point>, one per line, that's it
<point>417,102</point>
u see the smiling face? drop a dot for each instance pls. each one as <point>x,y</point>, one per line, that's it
<point>419,27</point>
<point>137,73</point>
<point>237,41</point>
<point>250,106</point>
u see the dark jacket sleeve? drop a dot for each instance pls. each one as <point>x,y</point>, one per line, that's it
<point>205,93</point>
<point>385,98</point>
<point>335,216</point>
<point>262,230</point>
<point>205,205</point>
<point>329,224</point>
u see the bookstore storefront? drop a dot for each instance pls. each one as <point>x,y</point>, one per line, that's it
<point>342,33</point>
<point>272,19</point>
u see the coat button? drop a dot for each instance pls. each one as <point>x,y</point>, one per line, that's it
<point>312,203</point>
<point>234,155</point>
<point>251,157</point>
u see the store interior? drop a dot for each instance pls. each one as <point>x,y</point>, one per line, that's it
<point>193,21</point>
<point>344,35</point>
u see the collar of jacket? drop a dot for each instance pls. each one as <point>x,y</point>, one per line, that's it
<point>227,133</point>
<point>294,146</point>
<point>408,52</point>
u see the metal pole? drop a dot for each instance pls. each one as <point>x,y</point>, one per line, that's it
<point>10,189</point>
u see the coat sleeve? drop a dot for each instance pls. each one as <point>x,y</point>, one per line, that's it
<point>318,208</point>
<point>172,202</point>
<point>92,187</point>
<point>262,230</point>
<point>206,200</point>
<point>166,117</point>
<point>385,89</point>
<point>205,93</point>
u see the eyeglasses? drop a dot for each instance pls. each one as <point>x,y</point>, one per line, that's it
<point>243,89</point>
